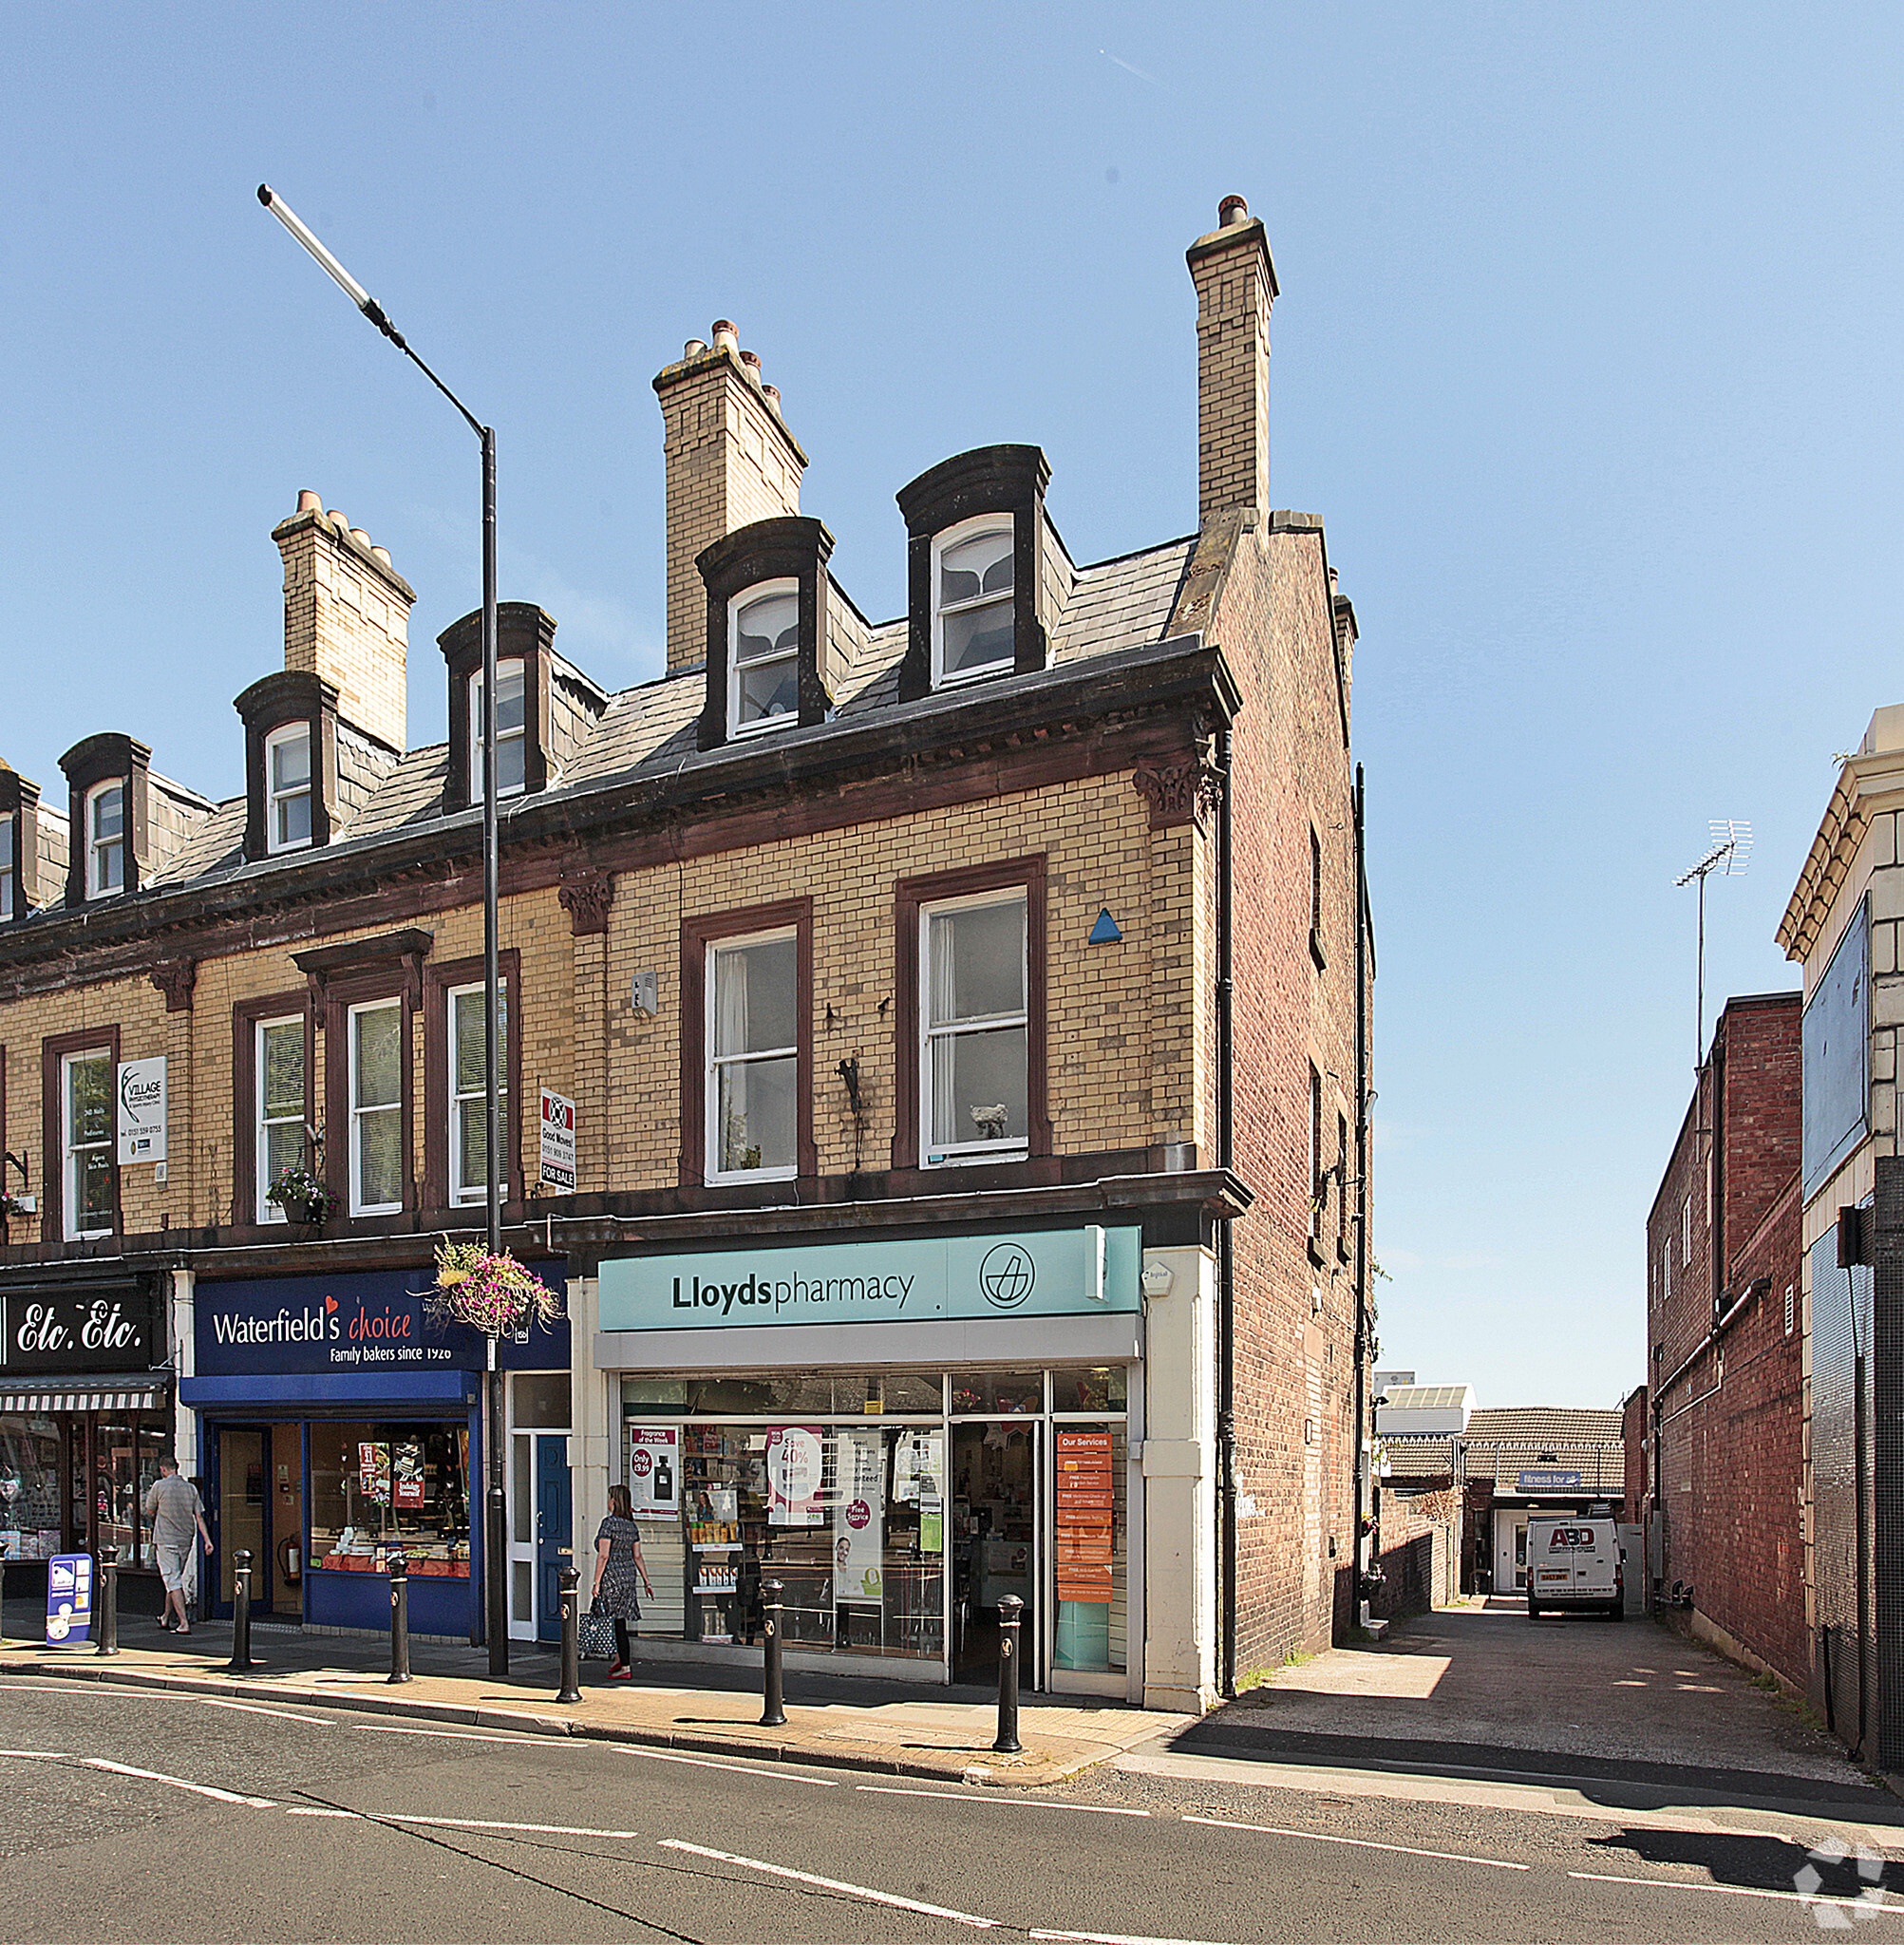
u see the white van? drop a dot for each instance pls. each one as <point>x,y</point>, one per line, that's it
<point>1574,1562</point>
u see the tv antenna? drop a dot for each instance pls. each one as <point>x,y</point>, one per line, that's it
<point>1730,852</point>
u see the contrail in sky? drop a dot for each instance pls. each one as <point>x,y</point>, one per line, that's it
<point>1129,70</point>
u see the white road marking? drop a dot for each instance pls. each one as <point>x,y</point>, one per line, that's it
<point>119,1691</point>
<point>1863,1907</point>
<point>257,1708</point>
<point>740,1768</point>
<point>932,1911</point>
<point>35,1755</point>
<point>201,1789</point>
<point>1115,1938</point>
<point>486,1823</point>
<point>1442,1787</point>
<point>311,1811</point>
<point>1406,1850</point>
<point>967,1796</point>
<point>450,1735</point>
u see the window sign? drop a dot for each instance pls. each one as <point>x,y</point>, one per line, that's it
<point>558,1142</point>
<point>794,1455</point>
<point>860,1519</point>
<point>655,1470</point>
<point>142,1110</point>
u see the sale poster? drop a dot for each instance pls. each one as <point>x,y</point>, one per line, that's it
<point>655,1470</point>
<point>858,1519</point>
<point>373,1473</point>
<point>794,1458</point>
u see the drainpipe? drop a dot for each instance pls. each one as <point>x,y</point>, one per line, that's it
<point>1361,1195</point>
<point>1226,1285</point>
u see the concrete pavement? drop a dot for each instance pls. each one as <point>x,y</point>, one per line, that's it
<point>900,1728</point>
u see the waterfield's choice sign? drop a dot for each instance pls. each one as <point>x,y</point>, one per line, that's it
<point>142,1110</point>
<point>76,1331</point>
<point>1039,1273</point>
<point>371,1323</point>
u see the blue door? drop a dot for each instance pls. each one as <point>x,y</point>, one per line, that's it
<point>554,1547</point>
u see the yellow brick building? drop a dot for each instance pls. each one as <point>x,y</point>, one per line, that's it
<point>962,1027</point>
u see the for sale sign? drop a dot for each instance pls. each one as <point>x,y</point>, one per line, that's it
<point>558,1141</point>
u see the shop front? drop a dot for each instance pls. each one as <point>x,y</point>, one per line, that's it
<point>902,1432</point>
<point>341,1424</point>
<point>86,1414</point>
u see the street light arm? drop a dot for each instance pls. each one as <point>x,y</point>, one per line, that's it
<point>359,296</point>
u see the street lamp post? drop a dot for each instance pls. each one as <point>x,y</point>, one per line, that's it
<point>495,1533</point>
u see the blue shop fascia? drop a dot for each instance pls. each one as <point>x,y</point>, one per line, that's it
<point>339,1422</point>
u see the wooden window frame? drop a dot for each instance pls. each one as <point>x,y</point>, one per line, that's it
<point>248,1015</point>
<point>1003,526</point>
<point>697,935</point>
<point>911,896</point>
<point>88,804</point>
<point>440,981</point>
<point>472,690</point>
<point>297,730</point>
<point>340,997</point>
<point>54,1051</point>
<point>777,587</point>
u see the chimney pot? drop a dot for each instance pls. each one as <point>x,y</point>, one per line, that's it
<point>382,554</point>
<point>693,347</point>
<point>1232,209</point>
<point>727,335</point>
<point>771,393</point>
<point>750,364</point>
<point>338,520</point>
<point>308,501</point>
<point>358,535</point>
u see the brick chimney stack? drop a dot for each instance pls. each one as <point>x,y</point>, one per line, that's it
<point>1235,286</point>
<point>346,613</point>
<point>731,460</point>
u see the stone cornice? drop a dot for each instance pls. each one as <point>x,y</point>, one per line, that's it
<point>1870,783</point>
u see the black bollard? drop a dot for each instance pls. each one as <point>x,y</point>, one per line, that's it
<point>775,1715</point>
<point>108,1602</point>
<point>1010,1610</point>
<point>241,1613</point>
<point>571,1582</point>
<point>400,1617</point>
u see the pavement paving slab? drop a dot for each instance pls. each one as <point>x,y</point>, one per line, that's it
<point>854,1721</point>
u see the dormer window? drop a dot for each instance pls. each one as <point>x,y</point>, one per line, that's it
<point>973,615</point>
<point>105,839</point>
<point>764,657</point>
<point>512,742</point>
<point>287,782</point>
<point>8,897</point>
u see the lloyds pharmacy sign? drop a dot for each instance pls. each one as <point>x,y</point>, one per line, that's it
<point>1033,1273</point>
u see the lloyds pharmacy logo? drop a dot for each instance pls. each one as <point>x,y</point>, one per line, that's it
<point>1840,1908</point>
<point>1006,1275</point>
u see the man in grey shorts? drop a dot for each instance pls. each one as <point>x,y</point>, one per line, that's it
<point>172,1515</point>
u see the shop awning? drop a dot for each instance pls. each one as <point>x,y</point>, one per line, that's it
<point>82,1395</point>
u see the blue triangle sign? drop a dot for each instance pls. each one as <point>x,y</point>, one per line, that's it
<point>1104,932</point>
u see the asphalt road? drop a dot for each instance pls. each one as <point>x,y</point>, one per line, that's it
<point>143,1815</point>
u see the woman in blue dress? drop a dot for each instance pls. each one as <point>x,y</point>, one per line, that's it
<point>618,1562</point>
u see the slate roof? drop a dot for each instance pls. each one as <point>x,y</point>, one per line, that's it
<point>1503,1439</point>
<point>1108,609</point>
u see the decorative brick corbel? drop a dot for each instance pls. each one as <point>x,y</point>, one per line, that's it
<point>586,898</point>
<point>1177,793</point>
<point>176,978</point>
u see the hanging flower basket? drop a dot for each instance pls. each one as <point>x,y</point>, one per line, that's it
<point>301,1196</point>
<point>493,1294</point>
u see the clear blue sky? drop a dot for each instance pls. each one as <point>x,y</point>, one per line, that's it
<point>1588,353</point>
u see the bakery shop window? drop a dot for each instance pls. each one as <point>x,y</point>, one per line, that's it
<point>377,1489</point>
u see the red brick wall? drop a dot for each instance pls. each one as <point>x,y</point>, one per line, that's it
<point>1295,1304</point>
<point>1729,1455</point>
<point>1636,1426</point>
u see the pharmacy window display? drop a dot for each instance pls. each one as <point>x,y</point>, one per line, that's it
<point>379,1489</point>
